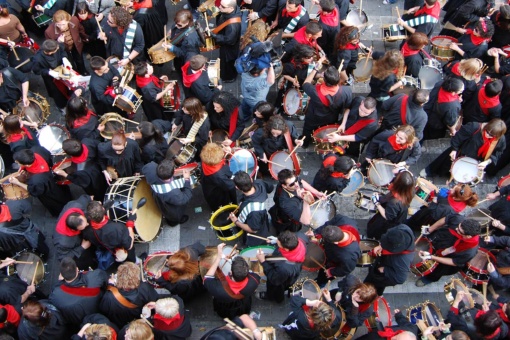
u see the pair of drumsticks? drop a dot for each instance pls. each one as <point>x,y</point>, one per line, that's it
<point>290,154</point>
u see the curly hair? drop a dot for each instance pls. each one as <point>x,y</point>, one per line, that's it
<point>227,101</point>
<point>345,36</point>
<point>487,31</point>
<point>464,193</point>
<point>128,276</point>
<point>367,292</point>
<point>212,154</point>
<point>121,16</point>
<point>391,61</point>
<point>275,123</point>
<point>182,266</point>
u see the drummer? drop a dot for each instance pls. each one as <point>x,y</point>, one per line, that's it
<point>500,210</point>
<point>276,135</point>
<point>485,105</point>
<point>13,290</point>
<point>119,157</point>
<point>306,35</point>
<point>421,19</point>
<point>196,80</point>
<point>329,20</point>
<point>19,134</point>
<point>499,280</point>
<point>11,32</point>
<point>334,173</point>
<point>474,41</point>
<point>347,46</point>
<point>411,50</point>
<point>483,142</point>
<point>104,80</point>
<point>81,121</point>
<point>152,141</point>
<point>224,114</point>
<point>385,76</point>
<point>13,86</point>
<point>293,11</point>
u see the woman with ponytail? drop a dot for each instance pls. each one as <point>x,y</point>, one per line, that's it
<point>41,321</point>
<point>333,174</point>
<point>11,32</point>
<point>81,121</point>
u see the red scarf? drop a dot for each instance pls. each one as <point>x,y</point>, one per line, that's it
<point>482,151</point>
<point>5,213</point>
<point>389,333</point>
<point>168,324</point>
<point>212,169</point>
<point>485,102</point>
<point>16,137</point>
<point>455,69</point>
<point>295,255</point>
<point>358,126</point>
<point>330,161</point>
<point>99,225</point>
<point>407,51</point>
<point>188,79</point>
<point>142,4</point>
<point>462,244</point>
<point>62,227</point>
<point>434,11</point>
<point>233,122</point>
<point>81,291</point>
<point>490,336</point>
<point>302,39</point>
<point>502,314</point>
<point>285,13</point>
<point>457,206</point>
<point>349,47</point>
<point>477,41</point>
<point>236,286</point>
<point>330,19</point>
<point>89,16</point>
<point>142,81</point>
<point>350,238</point>
<point>323,91</point>
<point>38,166</point>
<point>83,120</point>
<point>393,142</point>
<point>81,158</point>
<point>446,97</point>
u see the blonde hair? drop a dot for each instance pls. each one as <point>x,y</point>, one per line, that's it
<point>98,332</point>
<point>391,61</point>
<point>61,15</point>
<point>139,330</point>
<point>322,316</point>
<point>211,154</point>
<point>128,276</point>
<point>167,308</point>
<point>470,68</point>
<point>410,134</point>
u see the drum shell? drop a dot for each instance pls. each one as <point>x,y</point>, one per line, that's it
<point>180,153</point>
<point>504,181</point>
<point>382,313</point>
<point>363,70</point>
<point>366,246</point>
<point>160,55</point>
<point>129,100</point>
<point>441,51</point>
<point>113,123</point>
<point>26,271</point>
<point>250,253</point>
<point>38,110</point>
<point>464,170</point>
<point>322,146</point>
<point>383,176</point>
<point>357,18</point>
<point>153,263</point>
<point>452,287</point>
<point>475,270</point>
<point>427,312</point>
<point>314,251</point>
<point>291,98</point>
<point>421,267</point>
<point>51,138</point>
<point>224,228</point>
<point>429,76</point>
<point>281,158</point>
<point>127,72</point>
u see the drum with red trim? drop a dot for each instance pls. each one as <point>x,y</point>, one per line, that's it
<point>475,270</point>
<point>194,170</point>
<point>320,138</point>
<point>441,47</point>
<point>243,160</point>
<point>504,181</point>
<point>315,257</point>
<point>293,102</point>
<point>280,160</point>
<point>154,263</point>
<point>421,267</point>
<point>382,314</point>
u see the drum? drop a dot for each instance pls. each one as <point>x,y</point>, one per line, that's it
<point>382,314</point>
<point>441,47</point>
<point>207,259</point>
<point>334,333</point>
<point>29,272</point>
<point>42,20</point>
<point>213,71</point>
<point>450,291</point>
<point>210,45</point>
<point>363,70</point>
<point>322,211</point>
<point>504,181</point>
<point>433,63</point>
<point>356,182</point>
<point>421,267</point>
<point>126,192</point>
<point>364,201</point>
<point>293,102</point>
<point>172,99</point>
<point>14,192</point>
<point>37,111</point>
<point>484,220</point>
<point>422,195</point>
<point>427,312</point>
<point>51,138</point>
<point>307,289</point>
<point>23,53</point>
<point>127,72</point>
<point>180,153</point>
<point>113,123</point>
<point>320,138</point>
<point>281,160</point>
<point>194,170</point>
<point>380,173</point>
<point>68,166</point>
<point>475,270</point>
<point>357,18</point>
<point>277,66</point>
<point>392,32</point>
<point>243,160</point>
<point>154,263</point>
<point>464,170</point>
<point>367,258</point>
<point>412,84</point>
<point>160,55</point>
<point>224,228</point>
<point>477,297</point>
<point>129,100</point>
<point>315,255</point>
<point>250,255</point>
<point>429,76</point>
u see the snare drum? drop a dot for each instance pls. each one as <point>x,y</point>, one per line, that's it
<point>126,192</point>
<point>160,55</point>
<point>194,170</point>
<point>464,170</point>
<point>475,270</point>
<point>364,201</point>
<point>126,72</point>
<point>154,263</point>
<point>113,123</point>
<point>421,267</point>
<point>363,70</point>
<point>250,255</point>
<point>307,289</point>
<point>382,314</point>
<point>422,195</point>
<point>180,153</point>
<point>27,271</point>
<point>380,173</point>
<point>450,291</point>
<point>412,84</point>
<point>225,229</point>
<point>37,111</point>
<point>315,255</point>
<point>504,181</point>
<point>14,192</point>
<point>356,182</point>
<point>426,312</point>
<point>429,76</point>
<point>51,138</point>
<point>213,72</point>
<point>367,258</point>
<point>23,53</point>
<point>320,138</point>
<point>129,100</point>
<point>243,160</point>
<point>392,32</point>
<point>323,211</point>
<point>357,18</point>
<point>280,161</point>
<point>42,19</point>
<point>441,47</point>
<point>478,216</point>
<point>208,258</point>
<point>210,45</point>
<point>277,66</point>
<point>293,103</point>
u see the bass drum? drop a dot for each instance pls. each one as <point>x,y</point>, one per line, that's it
<point>37,111</point>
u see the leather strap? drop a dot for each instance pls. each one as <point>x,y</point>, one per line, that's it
<point>226,23</point>
<point>121,299</point>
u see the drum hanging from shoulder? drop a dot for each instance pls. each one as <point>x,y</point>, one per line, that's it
<point>363,70</point>
<point>127,71</point>
<point>465,170</point>
<point>129,100</point>
<point>153,264</point>
<point>22,59</point>
<point>382,314</point>
<point>126,192</point>
<point>194,169</point>
<point>38,110</point>
<point>213,72</point>
<point>475,270</point>
<point>450,291</point>
<point>225,229</point>
<point>160,55</point>
<point>315,257</point>
<point>280,160</point>
<point>320,138</point>
<point>31,270</point>
<point>113,123</point>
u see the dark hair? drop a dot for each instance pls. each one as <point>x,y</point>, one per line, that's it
<point>284,175</point>
<point>289,240</point>
<point>24,157</point>
<point>49,45</point>
<point>459,335</point>
<point>3,315</point>
<point>417,41</point>
<point>402,187</point>
<point>430,2</point>
<point>488,323</point>
<point>227,101</point>
<point>165,170</point>
<point>300,52</point>
<point>73,220</point>
<point>294,2</point>
<point>495,127</point>
<point>96,63</point>
<point>420,97</point>
<point>489,32</point>
<point>149,133</point>
<point>331,76</point>
<point>275,123</point>
<point>76,108</point>
<point>197,62</point>
<point>313,27</point>
<point>471,227</point>
<point>331,234</point>
<point>494,88</point>
<point>95,211</point>
<point>36,313</point>
<point>265,109</point>
<point>451,84</point>
<point>369,103</point>
<point>68,268</point>
<point>342,164</point>
<point>503,17</point>
<point>327,5</point>
<point>345,36</point>
<point>255,71</point>
<point>141,68</point>
<point>12,125</point>
<point>240,269</point>
<point>243,181</point>
<point>82,7</point>
<point>72,147</point>
<point>195,108</point>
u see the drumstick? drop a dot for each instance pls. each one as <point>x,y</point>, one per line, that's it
<point>283,166</point>
<point>375,169</point>
<point>327,286</point>
<point>368,57</point>
<point>259,237</point>
<point>164,28</point>
<point>418,239</point>
<point>14,50</point>
<point>398,12</point>
<point>360,5</point>
<point>484,291</point>
<point>314,203</point>
<point>484,68</point>
<point>482,201</point>
<point>100,29</point>
<point>242,333</point>
<point>290,154</point>
<point>317,262</point>
<point>387,163</point>
<point>341,66</point>
<point>23,63</point>
<point>35,272</point>
<point>315,210</point>
<point>489,216</point>
<point>60,164</point>
<point>148,322</point>
<point>141,272</point>
<point>131,121</point>
<point>449,26</point>
<point>24,262</point>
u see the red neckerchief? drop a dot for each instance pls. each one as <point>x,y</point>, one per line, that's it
<point>291,14</point>
<point>16,137</point>
<point>212,169</point>
<point>89,16</point>
<point>407,51</point>
<point>434,11</point>
<point>446,97</point>
<point>188,79</point>
<point>387,252</point>
<point>489,336</point>
<point>301,38</point>
<point>350,239</point>
<point>349,47</point>
<point>462,244</point>
<point>358,126</point>
<point>142,81</point>
<point>38,166</point>
<point>502,314</point>
<point>62,227</point>
<point>393,142</point>
<point>310,321</point>
<point>485,102</point>
<point>168,324</point>
<point>81,158</point>
<point>120,30</point>
<point>482,151</point>
<point>457,206</point>
<point>389,333</point>
<point>477,41</point>
<point>5,213</point>
<point>323,91</point>
<point>330,161</point>
<point>99,225</point>
<point>83,120</point>
<point>233,122</point>
<point>403,109</point>
<point>455,69</point>
<point>142,4</point>
<point>110,91</point>
<point>81,291</point>
<point>330,19</point>
<point>295,255</point>
<point>236,286</point>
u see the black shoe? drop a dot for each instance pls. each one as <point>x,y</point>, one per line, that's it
<point>229,81</point>
<point>143,256</point>
<point>184,219</point>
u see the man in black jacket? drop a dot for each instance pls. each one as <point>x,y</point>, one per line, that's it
<point>404,330</point>
<point>103,81</point>
<point>195,79</point>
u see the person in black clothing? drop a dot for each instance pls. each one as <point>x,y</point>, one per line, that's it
<point>500,61</point>
<point>262,112</point>
<point>384,76</point>
<point>103,82</point>
<point>501,20</point>
<point>224,114</point>
<point>42,320</point>
<point>226,333</point>
<point>171,321</point>
<point>411,50</point>
<point>13,86</point>
<point>121,156</point>
<point>262,9</point>
<point>196,80</point>
<point>347,48</point>
<point>93,46</point>
<point>329,20</point>
<point>146,15</point>
<point>180,276</point>
<point>485,104</point>
<point>422,17</point>
<point>283,274</point>
<point>152,142</point>
<point>500,210</point>
<point>334,173</point>
<point>19,134</point>
<point>394,258</point>
<point>306,35</point>
<point>81,122</point>
<point>404,330</point>
<point>459,13</point>
<point>402,109</point>
<point>443,108</point>
<point>252,217</point>
<point>172,195</point>
<point>499,280</point>
<point>233,298</point>
<point>13,290</point>
<point>474,40</point>
<point>288,11</point>
<point>455,242</point>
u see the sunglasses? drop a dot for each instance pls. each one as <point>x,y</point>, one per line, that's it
<point>293,183</point>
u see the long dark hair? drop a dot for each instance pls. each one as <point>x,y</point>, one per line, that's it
<point>149,133</point>
<point>76,108</point>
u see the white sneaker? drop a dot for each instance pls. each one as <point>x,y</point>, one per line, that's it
<point>385,2</point>
<point>423,173</point>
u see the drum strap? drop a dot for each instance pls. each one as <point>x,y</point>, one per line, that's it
<point>195,127</point>
<point>175,184</point>
<point>121,299</point>
<point>403,109</point>
<point>49,4</point>
<point>422,19</point>
<point>292,24</point>
<point>250,207</point>
<point>181,36</point>
<point>226,23</point>
<point>130,37</point>
<point>358,126</point>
